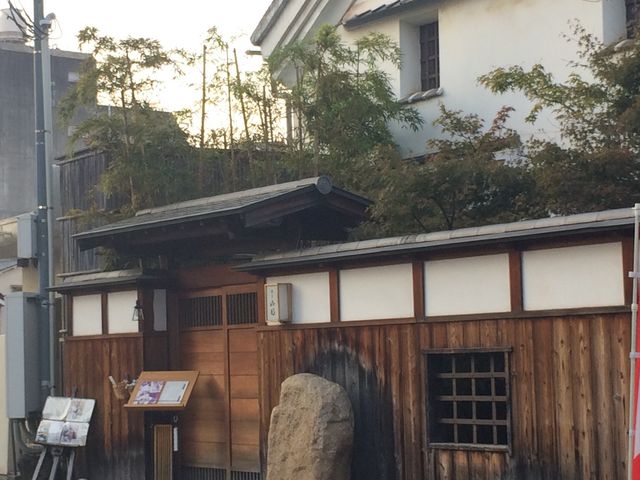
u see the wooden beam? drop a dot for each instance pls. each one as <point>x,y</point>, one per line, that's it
<point>104,306</point>
<point>334,295</point>
<point>627,266</point>
<point>260,301</point>
<point>515,280</point>
<point>418,290</point>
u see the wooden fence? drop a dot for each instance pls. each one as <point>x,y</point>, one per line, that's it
<point>569,388</point>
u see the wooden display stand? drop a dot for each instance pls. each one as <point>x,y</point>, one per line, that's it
<point>166,391</point>
<point>151,387</point>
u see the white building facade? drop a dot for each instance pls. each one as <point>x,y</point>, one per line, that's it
<point>448,44</point>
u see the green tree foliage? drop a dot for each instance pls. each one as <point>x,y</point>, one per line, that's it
<point>148,150</point>
<point>475,177</point>
<point>596,164</point>
<point>344,99</point>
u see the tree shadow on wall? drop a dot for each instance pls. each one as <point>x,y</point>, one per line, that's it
<point>373,452</point>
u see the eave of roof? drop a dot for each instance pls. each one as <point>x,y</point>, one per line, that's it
<point>381,11</point>
<point>267,21</point>
<point>474,236</point>
<point>116,278</point>
<point>8,264</point>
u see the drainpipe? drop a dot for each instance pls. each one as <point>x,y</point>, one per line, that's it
<point>633,436</point>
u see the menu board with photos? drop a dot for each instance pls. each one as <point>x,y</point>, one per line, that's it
<point>65,421</point>
<point>162,390</point>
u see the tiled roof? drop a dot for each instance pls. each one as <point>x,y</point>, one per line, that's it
<point>6,263</point>
<point>380,11</point>
<point>217,206</point>
<point>559,225</point>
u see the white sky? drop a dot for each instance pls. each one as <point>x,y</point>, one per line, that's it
<point>181,23</point>
<point>178,24</point>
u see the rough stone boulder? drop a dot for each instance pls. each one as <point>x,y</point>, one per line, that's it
<point>311,432</point>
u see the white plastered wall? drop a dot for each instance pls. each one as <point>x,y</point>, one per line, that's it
<point>573,277</point>
<point>310,292</point>
<point>477,36</point>
<point>376,292</point>
<point>120,311</point>
<point>460,286</point>
<point>87,315</point>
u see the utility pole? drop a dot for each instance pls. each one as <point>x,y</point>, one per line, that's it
<point>42,89</point>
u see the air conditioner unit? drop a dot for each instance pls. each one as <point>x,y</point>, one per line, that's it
<point>278,301</point>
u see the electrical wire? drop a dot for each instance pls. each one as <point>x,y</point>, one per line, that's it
<point>14,14</point>
<point>27,26</point>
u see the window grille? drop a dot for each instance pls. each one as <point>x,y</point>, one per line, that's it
<point>429,56</point>
<point>242,308</point>
<point>199,473</point>
<point>468,395</point>
<point>246,476</point>
<point>200,312</point>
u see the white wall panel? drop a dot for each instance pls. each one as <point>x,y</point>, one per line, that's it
<point>573,277</point>
<point>310,293</point>
<point>87,315</point>
<point>120,311</point>
<point>376,293</point>
<point>468,285</point>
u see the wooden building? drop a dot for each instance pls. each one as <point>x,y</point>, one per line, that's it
<point>199,314</point>
<point>491,352</point>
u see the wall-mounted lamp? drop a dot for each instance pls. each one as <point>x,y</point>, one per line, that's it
<point>137,312</point>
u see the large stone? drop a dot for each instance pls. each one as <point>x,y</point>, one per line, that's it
<point>311,433</point>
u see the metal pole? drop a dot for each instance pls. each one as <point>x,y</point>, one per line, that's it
<point>41,181</point>
<point>634,347</point>
<point>45,24</point>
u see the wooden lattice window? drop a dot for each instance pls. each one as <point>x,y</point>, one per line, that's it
<point>468,398</point>
<point>242,308</point>
<point>633,15</point>
<point>429,56</point>
<point>200,312</point>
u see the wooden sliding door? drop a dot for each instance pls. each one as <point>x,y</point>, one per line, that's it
<point>220,429</point>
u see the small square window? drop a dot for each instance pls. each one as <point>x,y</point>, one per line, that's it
<point>429,56</point>
<point>468,398</point>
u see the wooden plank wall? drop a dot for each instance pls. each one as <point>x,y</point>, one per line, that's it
<point>70,257</point>
<point>569,384</point>
<point>243,400</point>
<point>115,444</point>
<point>203,424</point>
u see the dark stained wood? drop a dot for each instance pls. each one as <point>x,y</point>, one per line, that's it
<point>568,388</point>
<point>67,302</point>
<point>515,280</point>
<point>334,295</point>
<point>211,277</point>
<point>104,305</point>
<point>115,445</point>
<point>261,302</point>
<point>627,266</point>
<point>418,290</point>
